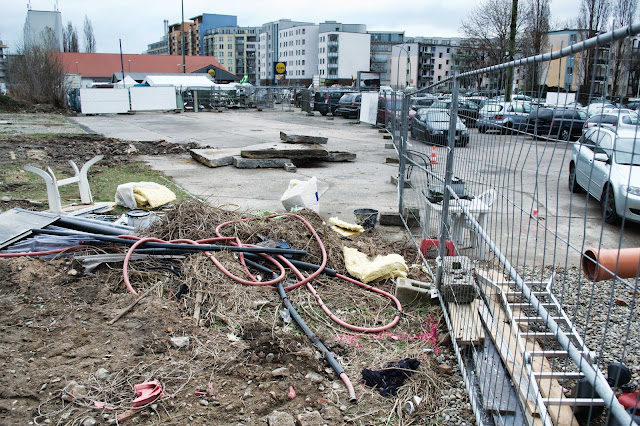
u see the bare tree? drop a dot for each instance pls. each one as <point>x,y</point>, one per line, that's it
<point>70,38</point>
<point>593,19</point>
<point>89,38</point>
<point>623,15</point>
<point>486,29</point>
<point>535,38</point>
<point>35,73</point>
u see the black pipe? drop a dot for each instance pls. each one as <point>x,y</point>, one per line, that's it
<point>296,317</point>
<point>182,247</point>
<point>85,224</point>
<point>298,264</point>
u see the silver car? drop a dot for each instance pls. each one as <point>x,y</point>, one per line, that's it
<point>505,117</point>
<point>607,165</point>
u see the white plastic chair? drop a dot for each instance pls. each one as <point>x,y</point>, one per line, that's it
<point>487,197</point>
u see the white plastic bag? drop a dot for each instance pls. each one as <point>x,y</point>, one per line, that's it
<point>302,194</point>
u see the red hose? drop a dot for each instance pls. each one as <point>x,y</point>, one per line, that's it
<point>253,281</point>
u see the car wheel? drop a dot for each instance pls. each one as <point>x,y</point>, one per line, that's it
<point>323,113</point>
<point>564,135</point>
<point>608,205</point>
<point>573,185</point>
<point>507,129</point>
<point>482,130</point>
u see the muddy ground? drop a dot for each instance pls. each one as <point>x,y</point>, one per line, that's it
<point>62,362</point>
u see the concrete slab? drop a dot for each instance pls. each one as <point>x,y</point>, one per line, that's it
<point>283,150</point>
<point>302,139</point>
<point>215,157</point>
<point>260,163</point>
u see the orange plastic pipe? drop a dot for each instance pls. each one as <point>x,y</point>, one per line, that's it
<point>627,262</point>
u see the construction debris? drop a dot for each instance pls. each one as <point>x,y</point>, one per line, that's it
<point>212,157</point>
<point>345,228</point>
<point>382,267</point>
<point>302,139</point>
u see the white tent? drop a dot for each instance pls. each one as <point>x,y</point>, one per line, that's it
<point>128,82</point>
<point>193,81</point>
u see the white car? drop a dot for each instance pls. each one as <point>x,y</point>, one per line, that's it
<point>615,119</point>
<point>607,165</point>
<point>599,108</point>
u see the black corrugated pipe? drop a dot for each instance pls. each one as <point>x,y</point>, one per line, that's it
<point>298,264</point>
<point>174,246</point>
<point>310,334</point>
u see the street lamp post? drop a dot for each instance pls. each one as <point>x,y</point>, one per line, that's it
<point>129,65</point>
<point>408,64</point>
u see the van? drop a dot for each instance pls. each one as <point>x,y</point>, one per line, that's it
<point>326,101</point>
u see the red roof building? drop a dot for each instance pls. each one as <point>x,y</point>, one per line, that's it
<point>102,66</point>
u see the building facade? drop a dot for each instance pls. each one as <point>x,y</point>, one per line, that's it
<point>194,32</point>
<point>235,48</point>
<point>564,73</point>
<point>268,48</point>
<point>382,43</point>
<point>298,49</point>
<point>176,34</point>
<point>422,61</point>
<point>341,54</point>
<point>43,26</point>
<point>3,66</point>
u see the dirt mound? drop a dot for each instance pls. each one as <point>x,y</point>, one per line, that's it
<point>8,104</point>
<point>61,148</point>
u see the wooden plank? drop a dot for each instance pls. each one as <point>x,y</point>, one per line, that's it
<point>466,324</point>
<point>549,388</point>
<point>498,396</point>
<point>504,338</point>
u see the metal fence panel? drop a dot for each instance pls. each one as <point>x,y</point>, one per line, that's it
<point>527,220</point>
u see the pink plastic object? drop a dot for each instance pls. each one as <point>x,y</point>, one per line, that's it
<point>427,242</point>
<point>147,392</point>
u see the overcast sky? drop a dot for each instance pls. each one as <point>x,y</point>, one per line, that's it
<point>140,22</point>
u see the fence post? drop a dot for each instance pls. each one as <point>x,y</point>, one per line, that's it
<point>448,177</point>
<point>402,150</point>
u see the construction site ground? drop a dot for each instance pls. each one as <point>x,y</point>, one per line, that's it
<point>62,362</point>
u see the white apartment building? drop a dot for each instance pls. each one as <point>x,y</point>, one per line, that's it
<point>422,61</point>
<point>268,50</point>
<point>341,55</point>
<point>298,49</point>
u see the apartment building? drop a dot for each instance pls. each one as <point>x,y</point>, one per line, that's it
<point>422,61</point>
<point>235,48</point>
<point>268,48</point>
<point>42,25</point>
<point>3,65</point>
<point>194,32</point>
<point>298,49</point>
<point>343,50</point>
<point>382,43</point>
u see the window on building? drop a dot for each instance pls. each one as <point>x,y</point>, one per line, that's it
<point>303,51</point>
<point>229,46</point>
<point>440,55</point>
<point>303,30</point>
<point>303,62</point>
<point>302,72</point>
<point>229,38</point>
<point>230,69</point>
<point>229,54</point>
<point>448,50</point>
<point>303,40</point>
<point>439,66</point>
<point>447,62</point>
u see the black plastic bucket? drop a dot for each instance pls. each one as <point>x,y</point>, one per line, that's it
<point>367,218</point>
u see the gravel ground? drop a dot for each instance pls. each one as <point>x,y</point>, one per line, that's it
<point>29,124</point>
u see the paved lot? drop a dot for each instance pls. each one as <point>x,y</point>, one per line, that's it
<point>529,175</point>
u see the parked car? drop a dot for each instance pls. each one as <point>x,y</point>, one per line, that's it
<point>505,117</point>
<point>349,105</point>
<point>422,102</point>
<point>599,107</point>
<point>432,125</point>
<point>614,119</point>
<point>607,165</point>
<point>326,101</point>
<point>466,109</point>
<point>557,123</point>
<point>389,111</point>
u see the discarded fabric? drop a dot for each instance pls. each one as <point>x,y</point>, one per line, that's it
<point>382,267</point>
<point>143,195</point>
<point>391,377</point>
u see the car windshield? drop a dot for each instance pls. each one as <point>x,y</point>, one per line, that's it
<point>438,116</point>
<point>627,151</point>
<point>631,119</point>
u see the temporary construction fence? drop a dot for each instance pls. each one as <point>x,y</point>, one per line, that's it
<point>539,296</point>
